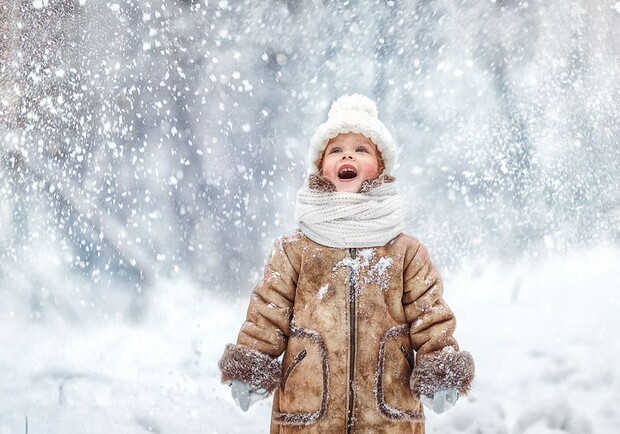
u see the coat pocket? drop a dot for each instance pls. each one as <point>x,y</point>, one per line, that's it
<point>302,398</point>
<point>395,400</point>
<point>296,361</point>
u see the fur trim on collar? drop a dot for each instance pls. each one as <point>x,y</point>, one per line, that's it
<point>322,184</point>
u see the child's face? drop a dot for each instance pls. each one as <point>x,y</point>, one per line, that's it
<point>350,159</point>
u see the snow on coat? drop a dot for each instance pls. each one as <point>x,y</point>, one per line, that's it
<point>348,322</point>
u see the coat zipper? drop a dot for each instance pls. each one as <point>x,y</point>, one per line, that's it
<point>352,340</point>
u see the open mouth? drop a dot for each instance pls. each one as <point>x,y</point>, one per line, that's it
<point>347,172</point>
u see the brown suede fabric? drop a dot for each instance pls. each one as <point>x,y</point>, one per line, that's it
<point>347,321</point>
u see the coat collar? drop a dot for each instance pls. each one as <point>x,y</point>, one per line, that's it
<point>322,184</point>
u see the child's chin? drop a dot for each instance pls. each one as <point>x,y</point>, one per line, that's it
<point>351,187</point>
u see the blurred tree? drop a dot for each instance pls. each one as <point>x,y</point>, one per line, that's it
<point>146,140</point>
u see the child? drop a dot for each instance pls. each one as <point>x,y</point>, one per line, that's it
<point>348,299</point>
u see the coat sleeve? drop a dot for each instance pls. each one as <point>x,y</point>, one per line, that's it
<point>439,364</point>
<point>264,334</point>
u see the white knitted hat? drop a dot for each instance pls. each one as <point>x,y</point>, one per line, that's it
<point>353,114</point>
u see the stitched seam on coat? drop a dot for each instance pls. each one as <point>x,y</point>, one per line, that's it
<point>290,263</point>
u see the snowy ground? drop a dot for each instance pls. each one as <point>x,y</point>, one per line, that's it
<point>544,337</point>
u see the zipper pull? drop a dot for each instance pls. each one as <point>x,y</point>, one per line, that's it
<point>352,252</point>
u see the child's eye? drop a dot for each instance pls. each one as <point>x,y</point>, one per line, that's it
<point>334,150</point>
<point>361,149</point>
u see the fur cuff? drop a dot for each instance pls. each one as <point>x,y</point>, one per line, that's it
<point>253,367</point>
<point>443,370</point>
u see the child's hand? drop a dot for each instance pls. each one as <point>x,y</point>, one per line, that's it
<point>443,400</point>
<point>244,395</point>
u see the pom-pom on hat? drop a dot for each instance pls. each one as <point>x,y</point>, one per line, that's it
<point>353,114</point>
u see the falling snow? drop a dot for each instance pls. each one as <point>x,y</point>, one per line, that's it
<point>151,151</point>
<point>323,291</point>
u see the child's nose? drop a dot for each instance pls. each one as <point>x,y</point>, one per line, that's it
<point>348,155</point>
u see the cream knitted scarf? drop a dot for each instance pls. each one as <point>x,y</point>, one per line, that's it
<point>342,220</point>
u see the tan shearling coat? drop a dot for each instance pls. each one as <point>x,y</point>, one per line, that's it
<point>348,322</point>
